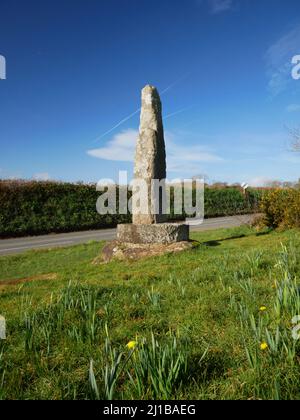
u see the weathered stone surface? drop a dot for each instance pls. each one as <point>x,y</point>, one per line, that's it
<point>164,233</point>
<point>150,158</point>
<point>126,251</point>
<point>149,233</point>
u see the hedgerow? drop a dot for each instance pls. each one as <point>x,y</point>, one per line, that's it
<point>32,208</point>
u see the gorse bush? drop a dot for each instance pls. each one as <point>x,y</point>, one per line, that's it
<point>32,208</point>
<point>281,208</point>
<point>292,213</point>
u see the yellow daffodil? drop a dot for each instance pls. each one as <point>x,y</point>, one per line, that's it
<point>263,308</point>
<point>131,345</point>
<point>264,346</point>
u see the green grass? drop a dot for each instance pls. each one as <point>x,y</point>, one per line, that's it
<point>195,317</point>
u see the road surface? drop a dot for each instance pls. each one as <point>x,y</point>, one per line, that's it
<point>19,245</point>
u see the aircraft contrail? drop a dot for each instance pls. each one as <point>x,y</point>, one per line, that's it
<point>118,125</point>
<point>138,110</point>
<point>175,83</point>
<point>177,112</point>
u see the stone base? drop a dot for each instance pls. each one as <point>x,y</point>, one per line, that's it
<point>130,252</point>
<point>165,233</point>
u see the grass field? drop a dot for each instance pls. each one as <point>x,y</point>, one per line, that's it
<point>211,323</point>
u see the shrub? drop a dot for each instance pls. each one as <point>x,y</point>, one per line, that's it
<point>281,208</point>
<point>292,211</point>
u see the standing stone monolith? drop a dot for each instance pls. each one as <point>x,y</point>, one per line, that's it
<point>149,203</point>
<point>150,160</point>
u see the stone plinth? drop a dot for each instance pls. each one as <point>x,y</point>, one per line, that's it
<point>130,252</point>
<point>166,233</point>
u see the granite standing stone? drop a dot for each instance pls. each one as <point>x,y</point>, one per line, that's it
<point>150,157</point>
<point>149,226</point>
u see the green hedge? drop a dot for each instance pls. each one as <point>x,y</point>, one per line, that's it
<point>32,208</point>
<point>230,201</point>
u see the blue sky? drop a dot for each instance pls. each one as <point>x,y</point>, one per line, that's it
<point>75,69</point>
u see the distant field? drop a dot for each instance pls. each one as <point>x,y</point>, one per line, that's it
<point>212,323</point>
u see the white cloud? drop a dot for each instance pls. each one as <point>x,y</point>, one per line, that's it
<point>293,108</point>
<point>179,158</point>
<point>43,176</point>
<point>187,159</point>
<point>279,60</point>
<point>219,6</point>
<point>120,148</point>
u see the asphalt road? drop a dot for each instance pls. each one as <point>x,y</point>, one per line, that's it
<point>19,245</point>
